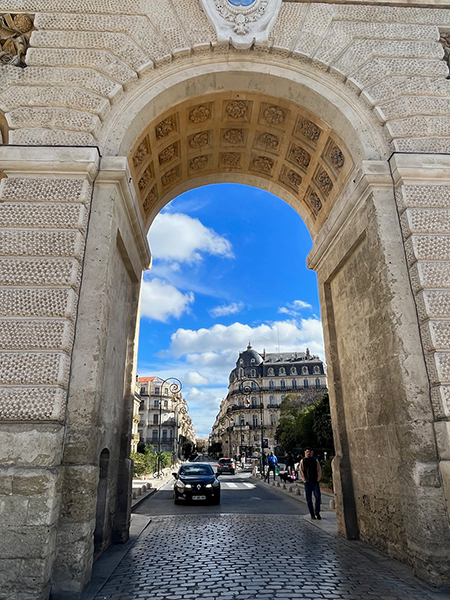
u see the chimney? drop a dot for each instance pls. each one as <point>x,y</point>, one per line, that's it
<point>308,355</point>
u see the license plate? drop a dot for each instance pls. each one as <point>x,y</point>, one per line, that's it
<point>198,497</point>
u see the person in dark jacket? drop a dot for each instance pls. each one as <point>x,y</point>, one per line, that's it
<point>311,474</point>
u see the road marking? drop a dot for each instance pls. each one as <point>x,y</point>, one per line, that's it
<point>231,485</point>
<point>249,485</point>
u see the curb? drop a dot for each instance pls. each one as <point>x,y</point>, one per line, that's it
<point>300,496</point>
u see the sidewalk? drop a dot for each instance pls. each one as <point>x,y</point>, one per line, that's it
<point>143,487</point>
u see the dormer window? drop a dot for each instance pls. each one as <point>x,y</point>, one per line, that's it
<point>282,371</point>
<point>253,373</point>
<point>293,371</point>
<point>270,372</point>
<point>305,370</point>
<point>316,369</point>
<point>241,362</point>
<point>252,361</point>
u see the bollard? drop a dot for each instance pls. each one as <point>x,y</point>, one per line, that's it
<point>332,504</point>
<point>133,495</point>
<point>297,491</point>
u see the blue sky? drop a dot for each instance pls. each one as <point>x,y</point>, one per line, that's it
<point>229,266</point>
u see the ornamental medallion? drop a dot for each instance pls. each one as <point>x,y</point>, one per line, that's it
<point>242,22</point>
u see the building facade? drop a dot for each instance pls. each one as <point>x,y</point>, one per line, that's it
<point>164,419</point>
<point>248,416</point>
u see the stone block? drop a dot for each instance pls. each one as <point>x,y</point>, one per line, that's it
<point>39,136</point>
<point>444,467</point>
<point>32,404</point>
<point>27,542</point>
<point>442,429</point>
<point>79,499</point>
<point>28,444</point>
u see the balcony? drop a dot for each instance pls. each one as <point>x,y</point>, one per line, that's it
<point>235,408</point>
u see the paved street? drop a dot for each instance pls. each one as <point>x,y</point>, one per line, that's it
<point>258,544</point>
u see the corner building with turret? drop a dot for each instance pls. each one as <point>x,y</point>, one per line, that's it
<point>248,416</point>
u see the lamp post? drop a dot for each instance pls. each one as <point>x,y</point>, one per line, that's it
<point>246,387</point>
<point>174,387</point>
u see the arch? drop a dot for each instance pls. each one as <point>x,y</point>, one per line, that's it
<point>130,130</point>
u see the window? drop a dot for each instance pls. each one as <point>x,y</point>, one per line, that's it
<point>316,369</point>
<point>253,373</point>
<point>294,384</point>
<point>255,421</point>
<point>242,421</point>
<point>252,361</point>
<point>156,404</point>
<point>155,419</point>
<point>273,419</point>
<point>241,362</point>
<point>282,371</point>
<point>253,385</point>
<point>166,391</point>
<point>254,401</point>
<point>283,384</point>
<point>171,434</point>
<point>270,372</point>
<point>142,390</point>
<point>166,404</point>
<point>305,383</point>
<point>293,371</point>
<point>154,435</point>
<point>282,397</point>
<point>305,371</point>
<point>241,372</point>
<point>317,383</point>
<point>164,435</point>
<point>272,400</point>
<point>271,385</point>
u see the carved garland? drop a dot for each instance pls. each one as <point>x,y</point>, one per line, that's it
<point>241,15</point>
<point>15,32</point>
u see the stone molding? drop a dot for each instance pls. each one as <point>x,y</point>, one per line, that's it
<point>115,171</point>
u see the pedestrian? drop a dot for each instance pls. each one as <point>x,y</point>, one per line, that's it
<point>243,461</point>
<point>290,464</point>
<point>272,463</point>
<point>311,474</point>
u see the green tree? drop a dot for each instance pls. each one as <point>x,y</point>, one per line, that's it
<point>322,423</point>
<point>301,425</point>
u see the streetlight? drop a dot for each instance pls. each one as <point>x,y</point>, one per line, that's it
<point>246,387</point>
<point>174,387</point>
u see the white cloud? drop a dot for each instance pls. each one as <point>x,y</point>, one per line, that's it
<point>208,346</point>
<point>180,238</point>
<point>195,378</point>
<point>229,309</point>
<point>294,308</point>
<point>161,301</point>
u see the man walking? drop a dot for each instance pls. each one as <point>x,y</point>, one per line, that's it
<point>272,462</point>
<point>311,474</point>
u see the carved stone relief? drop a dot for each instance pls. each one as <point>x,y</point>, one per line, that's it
<point>445,41</point>
<point>241,22</point>
<point>253,134</point>
<point>168,154</point>
<point>165,127</point>
<point>263,164</point>
<point>199,114</point>
<point>199,163</point>
<point>299,156</point>
<point>198,140</point>
<point>15,32</point>
<point>230,159</point>
<point>140,154</point>
<point>234,136</point>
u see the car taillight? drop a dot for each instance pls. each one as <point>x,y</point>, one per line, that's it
<point>232,464</point>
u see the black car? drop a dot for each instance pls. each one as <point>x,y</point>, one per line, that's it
<point>226,465</point>
<point>196,482</point>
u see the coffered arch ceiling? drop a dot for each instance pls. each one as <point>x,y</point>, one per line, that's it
<point>247,135</point>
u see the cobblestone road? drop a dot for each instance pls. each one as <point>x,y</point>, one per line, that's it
<point>249,557</point>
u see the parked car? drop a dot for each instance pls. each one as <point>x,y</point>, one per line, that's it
<point>226,465</point>
<point>196,482</point>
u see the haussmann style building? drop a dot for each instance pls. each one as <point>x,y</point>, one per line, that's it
<point>248,416</point>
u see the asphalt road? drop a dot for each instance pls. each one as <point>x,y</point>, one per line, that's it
<point>239,495</point>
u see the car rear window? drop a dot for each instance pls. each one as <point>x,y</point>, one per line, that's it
<point>196,470</point>
<point>225,461</point>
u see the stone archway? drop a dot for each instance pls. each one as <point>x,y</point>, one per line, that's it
<point>75,220</point>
